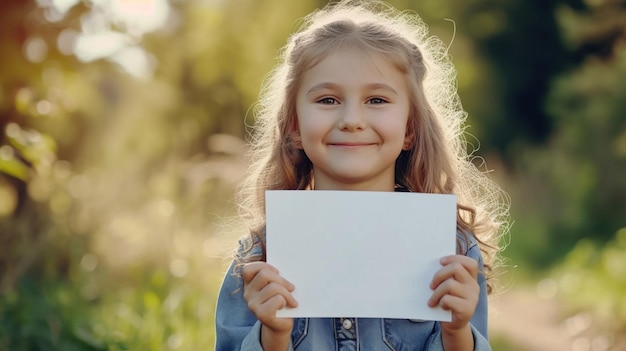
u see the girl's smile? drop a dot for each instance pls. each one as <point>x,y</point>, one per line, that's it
<point>352,110</point>
<point>351,145</point>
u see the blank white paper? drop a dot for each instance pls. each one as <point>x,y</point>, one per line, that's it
<point>360,254</point>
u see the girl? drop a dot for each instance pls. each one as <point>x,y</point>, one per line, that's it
<point>362,100</point>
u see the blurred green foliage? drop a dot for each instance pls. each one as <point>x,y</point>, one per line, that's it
<point>571,187</point>
<point>45,320</point>
<point>592,279</point>
<point>117,169</point>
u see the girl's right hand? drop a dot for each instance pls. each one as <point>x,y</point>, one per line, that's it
<point>266,292</point>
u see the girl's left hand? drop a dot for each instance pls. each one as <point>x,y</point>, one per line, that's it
<point>455,288</point>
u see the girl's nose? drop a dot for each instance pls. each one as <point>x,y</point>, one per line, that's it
<point>352,117</point>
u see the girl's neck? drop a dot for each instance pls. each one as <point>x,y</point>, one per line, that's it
<point>361,186</point>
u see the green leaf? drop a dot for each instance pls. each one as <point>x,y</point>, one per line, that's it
<point>14,168</point>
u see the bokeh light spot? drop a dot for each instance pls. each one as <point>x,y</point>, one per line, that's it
<point>174,341</point>
<point>165,208</point>
<point>90,47</point>
<point>6,153</point>
<point>44,107</point>
<point>66,41</point>
<point>581,344</point>
<point>89,262</point>
<point>578,323</point>
<point>547,289</point>
<point>35,49</point>
<point>600,343</point>
<point>39,189</point>
<point>62,6</point>
<point>13,131</point>
<point>80,186</point>
<point>62,169</point>
<point>23,99</point>
<point>60,203</point>
<point>179,268</point>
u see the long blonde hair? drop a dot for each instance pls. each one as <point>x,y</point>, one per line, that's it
<point>438,161</point>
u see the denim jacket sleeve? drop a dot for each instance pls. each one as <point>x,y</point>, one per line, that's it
<point>478,323</point>
<point>236,328</point>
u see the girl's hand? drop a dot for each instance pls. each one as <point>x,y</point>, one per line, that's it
<point>266,292</point>
<point>456,289</point>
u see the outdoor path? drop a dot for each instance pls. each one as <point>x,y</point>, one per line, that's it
<point>529,322</point>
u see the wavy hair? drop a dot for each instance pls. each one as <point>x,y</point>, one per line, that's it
<point>438,161</point>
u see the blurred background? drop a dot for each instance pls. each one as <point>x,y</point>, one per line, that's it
<point>122,135</point>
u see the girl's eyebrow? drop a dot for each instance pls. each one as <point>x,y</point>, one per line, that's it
<point>371,86</point>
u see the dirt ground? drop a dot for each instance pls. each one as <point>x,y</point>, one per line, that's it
<point>529,322</point>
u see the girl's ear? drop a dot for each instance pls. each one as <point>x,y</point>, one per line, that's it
<point>295,137</point>
<point>296,140</point>
<point>409,138</point>
<point>408,144</point>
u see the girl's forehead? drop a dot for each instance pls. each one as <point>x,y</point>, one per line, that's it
<point>355,48</point>
<point>354,67</point>
<point>356,58</point>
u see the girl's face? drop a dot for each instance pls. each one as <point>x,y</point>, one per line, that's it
<point>352,110</point>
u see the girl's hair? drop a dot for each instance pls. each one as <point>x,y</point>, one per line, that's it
<point>437,162</point>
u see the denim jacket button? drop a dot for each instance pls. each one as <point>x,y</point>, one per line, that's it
<point>347,324</point>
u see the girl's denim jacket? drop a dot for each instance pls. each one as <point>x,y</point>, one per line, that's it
<point>238,329</point>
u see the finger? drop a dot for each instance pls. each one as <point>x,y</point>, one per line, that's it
<point>266,284</point>
<point>470,264</point>
<point>286,301</point>
<point>448,287</point>
<point>265,276</point>
<point>463,272</point>
<point>250,270</point>
<point>267,302</point>
<point>291,300</point>
<point>463,309</point>
<point>453,271</point>
<point>274,289</point>
<point>272,304</point>
<point>267,314</point>
<point>269,273</point>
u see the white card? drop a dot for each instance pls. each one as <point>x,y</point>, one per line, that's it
<point>360,254</point>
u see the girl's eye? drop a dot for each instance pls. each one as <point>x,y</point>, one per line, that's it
<point>327,101</point>
<point>376,101</point>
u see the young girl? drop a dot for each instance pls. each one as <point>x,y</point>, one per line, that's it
<point>362,100</point>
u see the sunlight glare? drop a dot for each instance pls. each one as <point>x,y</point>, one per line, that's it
<point>63,6</point>
<point>135,61</point>
<point>110,29</point>
<point>90,47</point>
<point>140,16</point>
